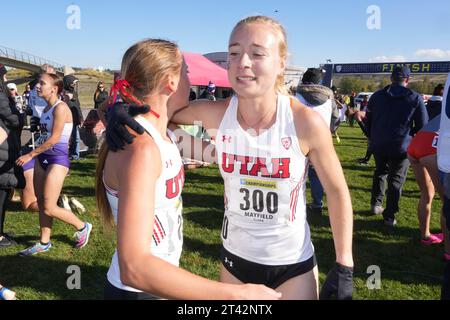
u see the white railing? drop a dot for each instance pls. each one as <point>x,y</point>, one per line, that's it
<point>27,58</point>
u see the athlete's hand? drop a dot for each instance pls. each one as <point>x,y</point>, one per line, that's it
<point>23,159</point>
<point>338,284</point>
<point>118,116</point>
<point>258,292</point>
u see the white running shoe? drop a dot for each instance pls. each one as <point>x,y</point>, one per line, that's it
<point>76,206</point>
<point>63,202</point>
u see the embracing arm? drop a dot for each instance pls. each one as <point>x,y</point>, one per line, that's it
<point>208,113</point>
<point>139,268</point>
<point>192,147</point>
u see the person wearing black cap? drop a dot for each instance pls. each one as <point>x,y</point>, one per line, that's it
<point>70,96</point>
<point>434,104</point>
<point>320,99</point>
<point>11,176</point>
<point>394,114</point>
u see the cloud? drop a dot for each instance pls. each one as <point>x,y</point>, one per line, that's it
<point>396,58</point>
<point>433,53</point>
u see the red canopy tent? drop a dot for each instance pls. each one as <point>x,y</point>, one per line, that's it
<point>202,70</point>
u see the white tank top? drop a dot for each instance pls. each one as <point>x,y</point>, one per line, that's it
<point>264,178</point>
<point>46,123</point>
<point>167,237</point>
<point>443,151</point>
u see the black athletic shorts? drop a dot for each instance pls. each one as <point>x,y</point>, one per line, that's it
<point>271,276</point>
<point>113,293</point>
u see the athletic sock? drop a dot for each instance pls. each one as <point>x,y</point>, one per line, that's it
<point>43,243</point>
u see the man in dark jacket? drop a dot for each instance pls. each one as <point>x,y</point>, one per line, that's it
<point>70,97</point>
<point>11,176</point>
<point>394,115</point>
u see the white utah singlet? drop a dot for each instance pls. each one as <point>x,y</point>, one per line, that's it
<point>264,178</point>
<point>167,237</point>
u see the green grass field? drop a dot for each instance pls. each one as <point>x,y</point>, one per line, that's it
<point>408,270</point>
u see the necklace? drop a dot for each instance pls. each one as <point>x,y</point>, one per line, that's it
<point>256,123</point>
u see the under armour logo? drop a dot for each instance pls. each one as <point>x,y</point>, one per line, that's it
<point>229,262</point>
<point>225,138</point>
<point>45,161</point>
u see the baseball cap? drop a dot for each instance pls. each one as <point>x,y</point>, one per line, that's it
<point>312,76</point>
<point>69,80</point>
<point>11,86</point>
<point>401,73</point>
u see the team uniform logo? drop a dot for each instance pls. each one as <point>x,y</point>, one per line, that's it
<point>286,142</point>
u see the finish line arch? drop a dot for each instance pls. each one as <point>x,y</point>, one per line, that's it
<point>432,67</point>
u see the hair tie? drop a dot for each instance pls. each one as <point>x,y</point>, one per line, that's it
<point>120,87</point>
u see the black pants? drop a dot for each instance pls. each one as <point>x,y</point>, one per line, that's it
<point>395,170</point>
<point>4,200</point>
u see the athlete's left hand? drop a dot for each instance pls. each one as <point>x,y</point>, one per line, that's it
<point>338,284</point>
<point>24,159</point>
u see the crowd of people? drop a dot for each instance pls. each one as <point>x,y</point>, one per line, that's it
<point>266,143</point>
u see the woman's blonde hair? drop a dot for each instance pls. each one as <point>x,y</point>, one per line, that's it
<point>144,66</point>
<point>282,44</point>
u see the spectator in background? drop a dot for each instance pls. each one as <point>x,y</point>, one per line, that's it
<point>100,95</point>
<point>192,95</point>
<point>70,97</point>
<point>37,104</point>
<point>351,109</point>
<point>18,99</point>
<point>208,93</point>
<point>443,154</point>
<point>10,175</point>
<point>395,114</point>
<point>26,95</point>
<point>434,104</point>
<point>320,99</point>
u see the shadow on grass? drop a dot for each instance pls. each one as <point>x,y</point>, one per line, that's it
<point>30,240</point>
<point>79,192</point>
<point>394,250</point>
<point>206,250</point>
<point>49,276</point>
<point>206,219</point>
<point>202,200</point>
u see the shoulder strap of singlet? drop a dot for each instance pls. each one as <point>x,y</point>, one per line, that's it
<point>150,129</point>
<point>53,106</point>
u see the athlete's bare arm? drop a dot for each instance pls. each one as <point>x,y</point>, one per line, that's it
<point>192,147</point>
<point>139,268</point>
<point>316,142</point>
<point>209,113</point>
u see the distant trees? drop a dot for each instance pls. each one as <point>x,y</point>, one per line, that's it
<point>347,84</point>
